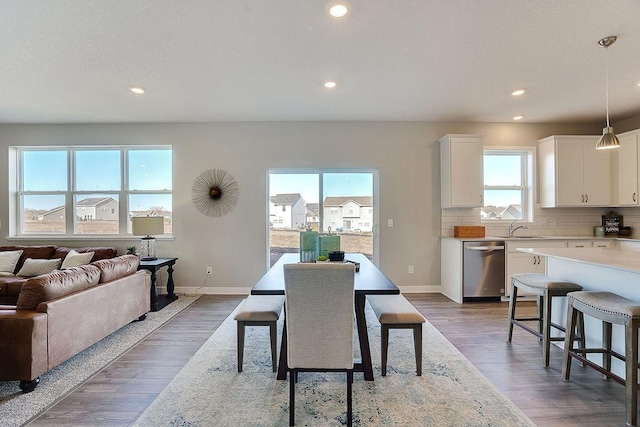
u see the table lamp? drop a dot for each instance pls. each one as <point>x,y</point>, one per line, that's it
<point>147,226</point>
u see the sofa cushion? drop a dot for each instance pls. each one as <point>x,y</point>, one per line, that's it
<point>36,267</point>
<point>99,252</point>
<point>56,284</point>
<point>8,262</point>
<point>114,268</point>
<point>74,259</point>
<point>36,252</point>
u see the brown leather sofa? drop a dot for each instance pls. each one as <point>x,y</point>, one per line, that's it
<point>59,314</point>
<point>10,285</point>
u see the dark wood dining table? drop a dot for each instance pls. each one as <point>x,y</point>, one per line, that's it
<point>368,281</point>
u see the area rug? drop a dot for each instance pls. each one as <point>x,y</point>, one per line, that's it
<point>16,407</point>
<point>209,391</point>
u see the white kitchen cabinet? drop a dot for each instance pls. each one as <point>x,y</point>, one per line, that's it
<point>573,172</point>
<point>461,177</point>
<point>589,244</point>
<point>627,167</point>
<point>521,262</point>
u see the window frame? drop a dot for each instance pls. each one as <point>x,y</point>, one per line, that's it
<point>70,195</point>
<point>528,178</point>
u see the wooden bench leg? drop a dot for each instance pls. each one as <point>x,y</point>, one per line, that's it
<point>512,310</point>
<point>417,343</point>
<point>546,328</point>
<point>240,344</point>
<point>570,336</point>
<point>384,332</point>
<point>273,333</point>
<point>631,365</point>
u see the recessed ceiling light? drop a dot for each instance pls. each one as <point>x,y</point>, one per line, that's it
<point>338,10</point>
<point>519,117</point>
<point>518,92</point>
<point>330,84</point>
<point>137,89</point>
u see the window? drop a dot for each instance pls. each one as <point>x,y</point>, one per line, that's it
<point>323,193</point>
<point>90,190</point>
<point>508,178</point>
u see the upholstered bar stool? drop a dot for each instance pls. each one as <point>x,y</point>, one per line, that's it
<point>611,309</point>
<point>545,288</point>
<point>395,312</point>
<point>259,310</point>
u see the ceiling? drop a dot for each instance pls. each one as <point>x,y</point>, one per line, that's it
<point>72,61</point>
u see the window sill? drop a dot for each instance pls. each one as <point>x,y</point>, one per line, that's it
<point>86,237</point>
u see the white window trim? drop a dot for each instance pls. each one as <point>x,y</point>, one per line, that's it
<point>15,193</point>
<point>529,179</point>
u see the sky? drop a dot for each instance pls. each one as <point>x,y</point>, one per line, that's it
<point>334,184</point>
<point>97,170</point>
<point>502,170</point>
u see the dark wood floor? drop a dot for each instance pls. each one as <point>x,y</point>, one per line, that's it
<point>120,393</point>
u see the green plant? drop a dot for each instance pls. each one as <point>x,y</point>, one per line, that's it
<point>322,258</point>
<point>131,250</point>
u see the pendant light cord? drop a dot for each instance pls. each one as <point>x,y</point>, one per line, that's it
<point>606,78</point>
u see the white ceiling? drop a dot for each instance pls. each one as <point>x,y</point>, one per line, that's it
<point>72,61</point>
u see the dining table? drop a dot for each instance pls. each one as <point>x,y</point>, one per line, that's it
<point>369,280</point>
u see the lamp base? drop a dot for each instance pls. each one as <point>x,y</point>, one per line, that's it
<point>148,258</point>
<point>148,248</point>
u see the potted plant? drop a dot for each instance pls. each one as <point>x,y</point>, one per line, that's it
<point>131,250</point>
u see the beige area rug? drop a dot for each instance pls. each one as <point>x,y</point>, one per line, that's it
<point>451,391</point>
<point>17,408</point>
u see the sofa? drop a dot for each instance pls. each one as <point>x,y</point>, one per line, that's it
<point>59,314</point>
<point>11,282</point>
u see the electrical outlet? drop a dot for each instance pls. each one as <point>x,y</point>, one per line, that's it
<point>411,269</point>
<point>209,271</point>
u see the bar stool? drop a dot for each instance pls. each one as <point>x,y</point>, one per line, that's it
<point>259,310</point>
<point>611,309</point>
<point>545,288</point>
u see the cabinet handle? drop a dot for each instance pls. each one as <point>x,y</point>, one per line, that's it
<point>534,260</point>
<point>634,197</point>
<point>582,198</point>
<point>586,200</point>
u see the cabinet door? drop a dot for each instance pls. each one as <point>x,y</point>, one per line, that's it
<point>569,169</point>
<point>518,262</point>
<point>601,243</point>
<point>461,168</point>
<point>597,175</point>
<point>628,170</point>
<point>579,244</point>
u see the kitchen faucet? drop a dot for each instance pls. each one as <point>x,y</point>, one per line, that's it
<point>513,229</point>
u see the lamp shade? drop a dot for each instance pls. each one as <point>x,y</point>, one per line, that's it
<point>608,140</point>
<point>147,225</point>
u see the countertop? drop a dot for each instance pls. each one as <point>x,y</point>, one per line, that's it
<point>606,257</point>
<point>537,238</point>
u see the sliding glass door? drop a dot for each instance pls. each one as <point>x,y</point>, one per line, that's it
<point>328,201</point>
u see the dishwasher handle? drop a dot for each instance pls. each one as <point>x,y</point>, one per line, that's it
<point>484,248</point>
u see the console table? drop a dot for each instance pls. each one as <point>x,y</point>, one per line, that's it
<point>158,302</point>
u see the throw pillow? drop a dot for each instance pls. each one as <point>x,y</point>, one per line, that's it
<point>36,267</point>
<point>8,261</point>
<point>74,259</point>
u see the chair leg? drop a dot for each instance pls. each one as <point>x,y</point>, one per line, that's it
<point>540,308</point>
<point>292,397</point>
<point>384,332</point>
<point>546,332</point>
<point>512,310</point>
<point>417,343</point>
<point>606,344</point>
<point>273,332</point>
<point>240,344</point>
<point>631,363</point>
<point>569,338</point>
<point>349,398</point>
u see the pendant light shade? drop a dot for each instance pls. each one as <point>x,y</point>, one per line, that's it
<point>608,139</point>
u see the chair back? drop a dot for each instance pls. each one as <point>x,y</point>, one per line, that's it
<point>319,307</point>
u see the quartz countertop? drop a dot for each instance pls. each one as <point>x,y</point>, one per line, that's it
<point>605,257</point>
<point>526,238</point>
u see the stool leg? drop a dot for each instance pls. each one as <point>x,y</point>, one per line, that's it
<point>512,309</point>
<point>417,343</point>
<point>240,344</point>
<point>631,382</point>
<point>546,328</point>
<point>569,338</point>
<point>540,309</point>
<point>384,332</point>
<point>606,344</point>
<point>581,339</point>
<point>273,333</point>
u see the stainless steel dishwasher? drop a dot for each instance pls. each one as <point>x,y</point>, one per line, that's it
<point>483,269</point>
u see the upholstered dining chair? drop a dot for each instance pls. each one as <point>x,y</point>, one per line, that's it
<point>319,304</point>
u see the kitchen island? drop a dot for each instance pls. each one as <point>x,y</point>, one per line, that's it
<point>595,269</point>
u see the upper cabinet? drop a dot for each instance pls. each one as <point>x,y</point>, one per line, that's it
<point>573,172</point>
<point>462,180</point>
<point>627,167</point>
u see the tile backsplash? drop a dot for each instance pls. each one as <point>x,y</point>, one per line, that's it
<point>547,221</point>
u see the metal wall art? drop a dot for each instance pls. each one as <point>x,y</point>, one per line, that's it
<point>215,192</point>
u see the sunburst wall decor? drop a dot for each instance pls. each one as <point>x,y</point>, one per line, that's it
<point>215,192</point>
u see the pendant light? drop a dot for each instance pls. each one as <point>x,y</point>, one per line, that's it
<point>608,139</point>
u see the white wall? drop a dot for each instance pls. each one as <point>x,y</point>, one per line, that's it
<point>405,153</point>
